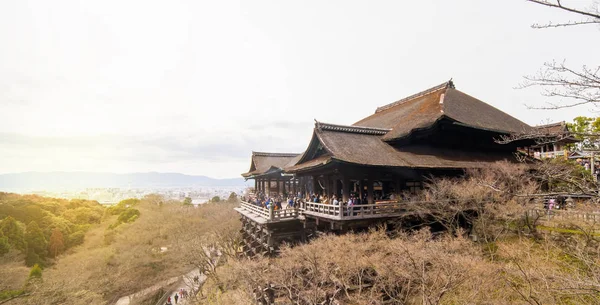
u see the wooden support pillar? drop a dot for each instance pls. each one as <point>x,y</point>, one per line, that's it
<point>345,189</point>
<point>255,185</point>
<point>361,186</point>
<point>295,186</point>
<point>593,165</point>
<point>328,186</point>
<point>281,185</point>
<point>370,192</point>
<point>315,184</point>
<point>398,188</point>
<point>334,189</point>
<point>305,186</point>
<point>268,190</point>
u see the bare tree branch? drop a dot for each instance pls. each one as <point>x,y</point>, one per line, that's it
<point>593,15</point>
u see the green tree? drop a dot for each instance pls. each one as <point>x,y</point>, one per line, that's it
<point>56,245</point>
<point>76,239</point>
<point>584,129</point>
<point>216,199</point>
<point>11,230</point>
<point>187,201</point>
<point>33,258</point>
<point>35,239</point>
<point>129,215</point>
<point>4,245</point>
<point>83,215</point>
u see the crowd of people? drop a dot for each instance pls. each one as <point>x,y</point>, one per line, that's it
<point>278,201</point>
<point>291,201</point>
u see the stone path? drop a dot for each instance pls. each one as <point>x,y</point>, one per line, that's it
<point>185,281</point>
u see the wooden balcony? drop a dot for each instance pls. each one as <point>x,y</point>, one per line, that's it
<point>264,215</point>
<point>549,154</point>
<point>320,210</point>
<point>363,211</point>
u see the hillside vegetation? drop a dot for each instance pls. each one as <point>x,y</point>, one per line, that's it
<point>108,252</point>
<point>490,251</point>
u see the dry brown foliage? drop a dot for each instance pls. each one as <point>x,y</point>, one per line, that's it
<point>506,264</point>
<point>371,268</point>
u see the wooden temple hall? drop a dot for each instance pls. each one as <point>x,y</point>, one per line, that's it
<point>440,131</point>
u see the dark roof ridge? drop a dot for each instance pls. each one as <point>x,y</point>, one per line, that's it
<point>351,129</point>
<point>269,154</point>
<point>445,85</point>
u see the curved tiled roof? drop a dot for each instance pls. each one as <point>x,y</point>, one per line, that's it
<point>369,149</point>
<point>263,162</point>
<point>425,108</point>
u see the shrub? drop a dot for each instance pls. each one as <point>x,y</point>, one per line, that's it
<point>76,239</point>
<point>8,294</point>
<point>129,215</point>
<point>36,271</point>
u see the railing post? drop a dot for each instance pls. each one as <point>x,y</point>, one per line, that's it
<point>341,210</point>
<point>271,209</point>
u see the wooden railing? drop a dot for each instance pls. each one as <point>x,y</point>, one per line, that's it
<point>321,208</point>
<point>271,214</point>
<point>593,217</point>
<point>380,210</point>
<point>549,154</point>
<point>353,212</point>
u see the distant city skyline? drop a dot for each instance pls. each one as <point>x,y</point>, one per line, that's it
<point>79,180</point>
<point>193,87</point>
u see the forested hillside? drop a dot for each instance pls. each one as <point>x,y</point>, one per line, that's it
<point>42,228</point>
<point>56,251</point>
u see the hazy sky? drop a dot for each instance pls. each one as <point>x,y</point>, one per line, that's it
<point>195,86</point>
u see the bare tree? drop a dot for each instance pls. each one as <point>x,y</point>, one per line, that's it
<point>590,15</point>
<point>573,86</point>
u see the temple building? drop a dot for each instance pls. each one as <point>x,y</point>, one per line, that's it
<point>364,170</point>
<point>267,171</point>
<point>437,132</point>
<point>552,141</point>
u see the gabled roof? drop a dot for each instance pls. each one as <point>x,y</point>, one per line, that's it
<point>364,146</point>
<point>552,128</point>
<point>264,162</point>
<point>556,132</point>
<point>425,108</point>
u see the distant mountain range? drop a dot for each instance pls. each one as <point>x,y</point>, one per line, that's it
<point>54,180</point>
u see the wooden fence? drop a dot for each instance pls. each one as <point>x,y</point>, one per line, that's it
<point>593,217</point>
<point>271,214</point>
<point>378,210</point>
